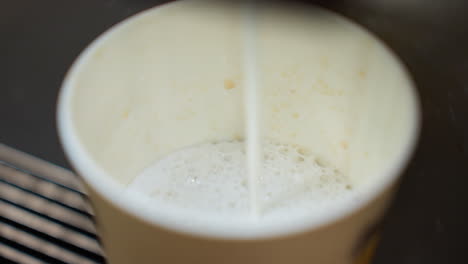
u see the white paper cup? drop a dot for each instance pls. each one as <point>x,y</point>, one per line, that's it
<point>172,77</point>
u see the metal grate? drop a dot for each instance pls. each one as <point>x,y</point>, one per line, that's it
<point>44,214</point>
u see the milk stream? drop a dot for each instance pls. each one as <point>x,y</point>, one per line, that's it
<point>251,104</point>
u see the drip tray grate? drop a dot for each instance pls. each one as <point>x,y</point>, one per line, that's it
<point>45,216</point>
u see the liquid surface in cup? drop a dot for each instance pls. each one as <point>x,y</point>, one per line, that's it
<point>211,178</point>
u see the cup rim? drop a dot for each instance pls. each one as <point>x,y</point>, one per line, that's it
<point>101,183</point>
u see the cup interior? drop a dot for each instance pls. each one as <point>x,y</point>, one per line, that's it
<point>173,77</point>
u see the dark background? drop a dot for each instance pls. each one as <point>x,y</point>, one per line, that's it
<point>428,221</point>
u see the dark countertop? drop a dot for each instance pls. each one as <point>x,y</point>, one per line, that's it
<point>427,223</point>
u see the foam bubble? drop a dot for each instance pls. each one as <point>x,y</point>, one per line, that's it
<point>211,179</point>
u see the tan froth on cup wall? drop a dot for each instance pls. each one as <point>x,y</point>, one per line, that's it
<point>172,77</point>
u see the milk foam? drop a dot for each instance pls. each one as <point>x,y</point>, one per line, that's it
<point>211,179</point>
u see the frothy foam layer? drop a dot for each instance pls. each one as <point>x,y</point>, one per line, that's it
<point>211,179</point>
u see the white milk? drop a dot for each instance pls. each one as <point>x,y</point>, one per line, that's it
<point>252,106</point>
<point>211,178</point>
